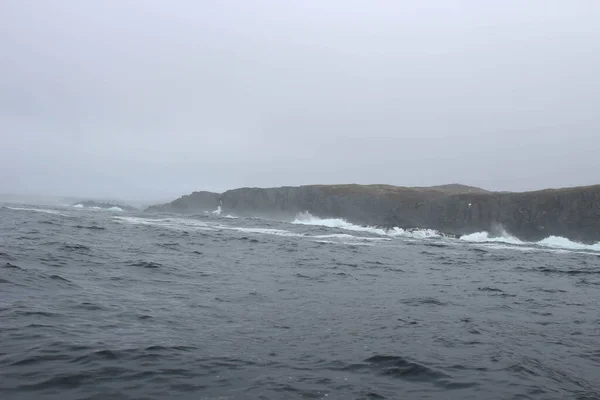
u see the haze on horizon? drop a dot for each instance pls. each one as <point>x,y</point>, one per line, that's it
<point>154,99</point>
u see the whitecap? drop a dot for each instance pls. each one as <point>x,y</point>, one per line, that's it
<point>264,231</point>
<point>484,237</point>
<point>551,242</point>
<point>416,233</point>
<point>564,243</point>
<point>169,223</point>
<point>306,218</point>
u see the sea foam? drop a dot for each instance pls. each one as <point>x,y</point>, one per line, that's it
<point>306,218</point>
<point>552,242</point>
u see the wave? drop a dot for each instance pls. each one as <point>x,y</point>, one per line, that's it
<point>168,223</point>
<point>564,243</point>
<point>218,211</point>
<point>552,242</point>
<point>114,208</point>
<point>416,233</point>
<point>39,210</point>
<point>485,237</point>
<point>265,231</point>
<point>306,218</point>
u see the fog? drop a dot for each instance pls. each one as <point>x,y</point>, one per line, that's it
<point>148,99</point>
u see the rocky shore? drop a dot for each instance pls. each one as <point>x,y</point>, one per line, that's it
<point>573,213</point>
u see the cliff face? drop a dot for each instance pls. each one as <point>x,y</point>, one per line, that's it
<point>197,202</point>
<point>573,213</point>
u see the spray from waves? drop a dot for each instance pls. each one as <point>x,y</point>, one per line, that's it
<point>552,242</point>
<point>78,206</point>
<point>306,218</point>
<point>218,211</point>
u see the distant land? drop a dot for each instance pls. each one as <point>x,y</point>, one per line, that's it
<point>572,212</point>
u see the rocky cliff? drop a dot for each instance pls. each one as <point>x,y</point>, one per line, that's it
<point>572,212</point>
<point>197,202</point>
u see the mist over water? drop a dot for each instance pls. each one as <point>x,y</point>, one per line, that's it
<point>99,303</point>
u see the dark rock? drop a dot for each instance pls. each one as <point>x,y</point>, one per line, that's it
<point>191,203</point>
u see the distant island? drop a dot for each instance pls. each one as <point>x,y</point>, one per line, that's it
<point>103,205</point>
<point>573,213</point>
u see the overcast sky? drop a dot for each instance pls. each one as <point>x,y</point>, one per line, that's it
<point>154,99</point>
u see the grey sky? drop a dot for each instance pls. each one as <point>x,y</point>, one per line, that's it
<point>153,99</point>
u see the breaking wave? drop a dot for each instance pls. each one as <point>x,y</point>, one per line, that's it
<point>485,237</point>
<point>564,243</point>
<point>552,242</point>
<point>113,209</point>
<point>416,233</point>
<point>306,218</point>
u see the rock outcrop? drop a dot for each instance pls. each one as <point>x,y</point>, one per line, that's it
<point>573,213</point>
<point>197,202</point>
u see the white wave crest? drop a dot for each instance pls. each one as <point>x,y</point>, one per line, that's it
<point>306,218</point>
<point>264,231</point>
<point>218,211</point>
<point>416,233</point>
<point>552,242</point>
<point>350,237</point>
<point>78,206</point>
<point>484,237</point>
<point>168,223</point>
<point>117,209</point>
<point>559,242</point>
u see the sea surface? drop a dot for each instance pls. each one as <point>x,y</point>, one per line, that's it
<point>98,304</point>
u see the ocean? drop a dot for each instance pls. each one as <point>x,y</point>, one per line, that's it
<point>106,304</point>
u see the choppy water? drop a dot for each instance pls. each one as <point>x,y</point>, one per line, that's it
<point>95,304</point>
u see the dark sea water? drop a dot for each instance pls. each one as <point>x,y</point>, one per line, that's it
<point>99,304</point>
